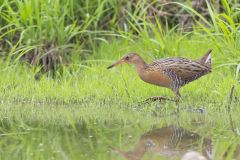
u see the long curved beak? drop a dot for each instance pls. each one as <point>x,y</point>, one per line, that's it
<point>121,61</point>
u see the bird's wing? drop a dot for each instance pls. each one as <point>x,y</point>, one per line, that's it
<point>185,69</point>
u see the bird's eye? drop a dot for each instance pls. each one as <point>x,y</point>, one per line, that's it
<point>127,58</point>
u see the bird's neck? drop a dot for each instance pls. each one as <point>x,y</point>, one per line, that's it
<point>140,65</point>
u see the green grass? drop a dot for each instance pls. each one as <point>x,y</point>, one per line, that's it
<point>81,114</point>
<point>91,80</point>
<point>86,108</point>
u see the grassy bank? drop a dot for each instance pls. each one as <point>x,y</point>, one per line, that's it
<point>50,35</point>
<point>90,108</point>
<point>77,109</point>
<point>90,79</point>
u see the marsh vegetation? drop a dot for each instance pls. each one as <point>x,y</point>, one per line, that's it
<point>58,100</point>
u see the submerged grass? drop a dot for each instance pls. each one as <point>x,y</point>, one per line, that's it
<point>86,131</point>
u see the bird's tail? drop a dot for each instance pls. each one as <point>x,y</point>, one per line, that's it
<point>206,59</point>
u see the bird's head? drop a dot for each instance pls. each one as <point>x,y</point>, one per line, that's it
<point>131,58</point>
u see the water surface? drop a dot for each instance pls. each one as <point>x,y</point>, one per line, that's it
<point>88,131</point>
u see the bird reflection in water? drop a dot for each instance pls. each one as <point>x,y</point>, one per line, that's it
<point>172,142</point>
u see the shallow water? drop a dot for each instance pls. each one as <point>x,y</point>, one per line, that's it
<point>103,132</point>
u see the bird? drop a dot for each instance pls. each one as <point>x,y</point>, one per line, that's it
<point>171,72</point>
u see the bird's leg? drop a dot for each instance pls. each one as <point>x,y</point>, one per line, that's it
<point>178,97</point>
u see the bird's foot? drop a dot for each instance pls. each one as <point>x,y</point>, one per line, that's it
<point>153,99</point>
